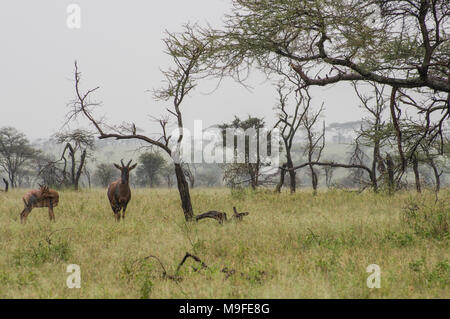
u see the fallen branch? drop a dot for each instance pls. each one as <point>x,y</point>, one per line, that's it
<point>228,272</point>
<point>188,255</point>
<point>221,216</point>
<point>239,216</point>
<point>176,278</point>
<point>164,274</point>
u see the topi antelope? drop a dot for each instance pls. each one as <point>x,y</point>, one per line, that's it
<point>42,197</point>
<point>119,193</point>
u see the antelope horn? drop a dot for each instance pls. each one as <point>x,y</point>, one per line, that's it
<point>129,162</point>
<point>123,165</point>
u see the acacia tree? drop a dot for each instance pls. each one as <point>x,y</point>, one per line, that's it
<point>15,153</point>
<point>105,174</point>
<point>76,142</point>
<point>401,43</point>
<point>149,168</point>
<point>168,173</point>
<point>185,49</point>
<point>247,166</point>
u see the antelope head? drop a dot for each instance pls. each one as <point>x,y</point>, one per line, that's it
<point>125,171</point>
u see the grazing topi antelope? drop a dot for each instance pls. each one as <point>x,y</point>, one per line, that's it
<point>119,193</point>
<point>42,197</point>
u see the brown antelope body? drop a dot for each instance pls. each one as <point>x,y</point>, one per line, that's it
<point>119,193</point>
<point>42,197</point>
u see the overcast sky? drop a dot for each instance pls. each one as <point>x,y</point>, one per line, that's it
<point>119,48</point>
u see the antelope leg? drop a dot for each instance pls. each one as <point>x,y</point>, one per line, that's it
<point>24,214</point>
<point>51,214</point>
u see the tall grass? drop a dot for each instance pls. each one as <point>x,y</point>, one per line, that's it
<point>290,246</point>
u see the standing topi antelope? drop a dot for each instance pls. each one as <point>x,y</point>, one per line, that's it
<point>42,197</point>
<point>119,193</point>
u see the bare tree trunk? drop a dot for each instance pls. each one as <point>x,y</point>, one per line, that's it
<point>12,179</point>
<point>437,175</point>
<point>416,172</point>
<point>328,175</point>
<point>313,179</point>
<point>376,155</point>
<point>281,182</point>
<point>72,170</point>
<point>292,174</point>
<point>87,173</point>
<point>390,171</point>
<point>293,181</point>
<point>253,171</point>
<point>183,189</point>
<point>76,178</point>
<point>6,184</point>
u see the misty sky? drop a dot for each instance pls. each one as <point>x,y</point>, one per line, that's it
<point>119,48</point>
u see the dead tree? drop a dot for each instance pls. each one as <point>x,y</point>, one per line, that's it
<point>374,133</point>
<point>186,50</point>
<point>288,125</point>
<point>76,142</point>
<point>315,142</point>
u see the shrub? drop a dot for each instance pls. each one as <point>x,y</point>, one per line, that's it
<point>428,219</point>
<point>440,274</point>
<point>43,252</point>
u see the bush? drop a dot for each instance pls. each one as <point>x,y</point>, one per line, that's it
<point>428,219</point>
<point>139,273</point>
<point>43,252</point>
<point>440,275</point>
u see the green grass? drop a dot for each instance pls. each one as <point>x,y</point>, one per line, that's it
<point>290,246</point>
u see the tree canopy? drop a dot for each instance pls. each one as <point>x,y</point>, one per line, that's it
<point>401,43</point>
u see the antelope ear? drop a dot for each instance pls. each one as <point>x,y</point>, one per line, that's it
<point>117,166</point>
<point>133,167</point>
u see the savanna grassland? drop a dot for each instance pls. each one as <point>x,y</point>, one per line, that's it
<point>290,246</point>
